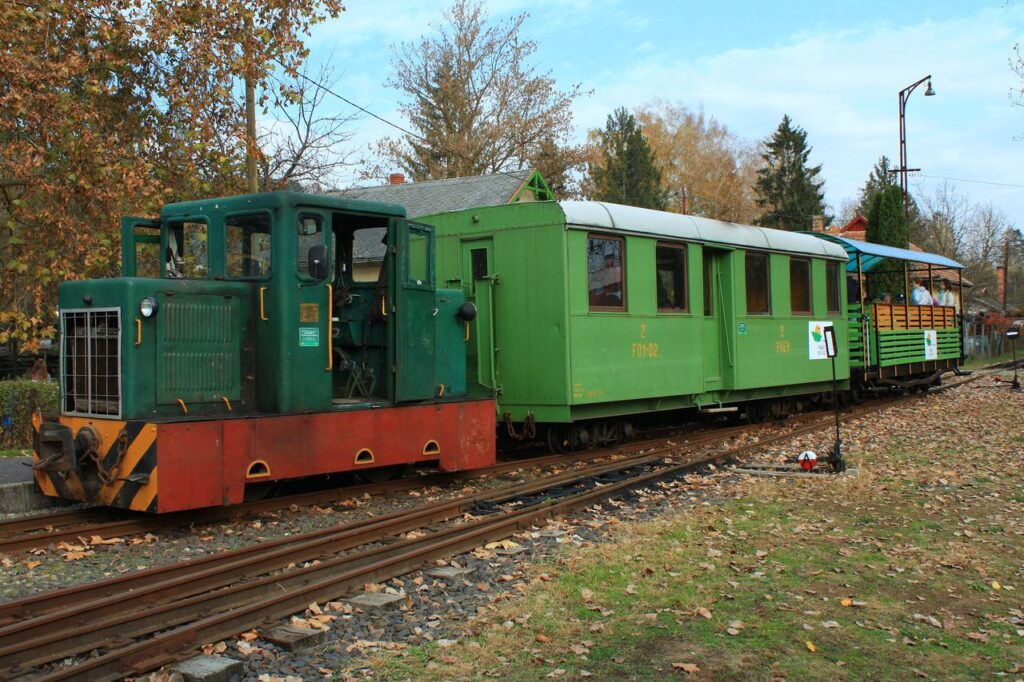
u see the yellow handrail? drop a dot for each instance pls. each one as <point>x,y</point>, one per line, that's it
<point>263,314</point>
<point>330,328</point>
<point>138,332</point>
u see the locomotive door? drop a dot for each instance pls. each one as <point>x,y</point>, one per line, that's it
<point>412,311</point>
<point>478,280</point>
<point>716,304</point>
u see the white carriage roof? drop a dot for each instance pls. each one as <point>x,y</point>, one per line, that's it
<point>630,219</point>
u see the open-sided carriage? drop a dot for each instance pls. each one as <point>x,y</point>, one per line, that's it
<point>897,342</point>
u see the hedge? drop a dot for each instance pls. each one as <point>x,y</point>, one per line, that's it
<point>18,400</point>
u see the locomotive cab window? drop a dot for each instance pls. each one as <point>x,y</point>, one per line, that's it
<point>832,286</point>
<point>605,277</point>
<point>188,250</point>
<point>248,246</point>
<point>670,278</point>
<point>309,233</point>
<point>800,286</point>
<point>758,284</point>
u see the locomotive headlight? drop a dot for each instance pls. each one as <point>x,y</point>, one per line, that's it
<point>148,307</point>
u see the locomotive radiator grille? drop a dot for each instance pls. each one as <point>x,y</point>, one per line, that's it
<point>90,361</point>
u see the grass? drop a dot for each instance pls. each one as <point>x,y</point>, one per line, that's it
<point>14,453</point>
<point>908,570</point>
<point>979,362</point>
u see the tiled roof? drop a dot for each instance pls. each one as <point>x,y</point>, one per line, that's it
<point>443,196</point>
<point>430,197</point>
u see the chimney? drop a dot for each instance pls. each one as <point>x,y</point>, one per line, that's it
<point>396,179</point>
<point>817,223</point>
<point>1001,285</point>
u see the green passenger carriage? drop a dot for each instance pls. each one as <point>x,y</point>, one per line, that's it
<point>591,312</point>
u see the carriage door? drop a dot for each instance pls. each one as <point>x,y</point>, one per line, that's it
<point>716,330</point>
<point>478,280</point>
<point>413,307</point>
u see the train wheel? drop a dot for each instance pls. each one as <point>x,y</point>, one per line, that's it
<point>254,492</point>
<point>381,474</point>
<point>561,438</point>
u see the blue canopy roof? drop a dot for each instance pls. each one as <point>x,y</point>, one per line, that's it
<point>873,254</point>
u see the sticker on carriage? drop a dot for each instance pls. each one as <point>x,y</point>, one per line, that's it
<point>309,337</point>
<point>931,344</point>
<point>817,348</point>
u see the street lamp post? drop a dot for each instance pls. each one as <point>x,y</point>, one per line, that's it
<point>903,170</point>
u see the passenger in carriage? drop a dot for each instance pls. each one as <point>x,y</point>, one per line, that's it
<point>944,295</point>
<point>919,295</point>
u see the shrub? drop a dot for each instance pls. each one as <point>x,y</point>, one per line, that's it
<point>18,400</point>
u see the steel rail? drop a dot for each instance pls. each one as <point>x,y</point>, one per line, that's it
<point>328,579</point>
<point>79,610</point>
<point>27,533</point>
<point>159,648</point>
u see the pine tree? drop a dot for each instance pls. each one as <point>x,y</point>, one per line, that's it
<point>788,190</point>
<point>626,173</point>
<point>887,225</point>
<point>879,178</point>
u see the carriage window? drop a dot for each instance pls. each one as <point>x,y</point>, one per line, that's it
<point>604,273</point>
<point>709,278</point>
<point>309,233</point>
<point>832,286</point>
<point>478,258</point>
<point>248,245</point>
<point>188,251</point>
<point>670,274</point>
<point>758,283</point>
<point>800,286</point>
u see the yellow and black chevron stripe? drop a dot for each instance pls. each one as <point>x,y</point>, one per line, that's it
<point>127,454</point>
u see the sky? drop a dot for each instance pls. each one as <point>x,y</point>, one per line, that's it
<point>835,68</point>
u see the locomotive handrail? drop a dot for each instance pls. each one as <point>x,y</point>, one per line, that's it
<point>263,313</point>
<point>330,328</point>
<point>138,332</point>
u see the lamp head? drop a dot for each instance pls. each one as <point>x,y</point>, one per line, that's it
<point>929,91</point>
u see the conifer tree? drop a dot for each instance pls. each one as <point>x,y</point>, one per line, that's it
<point>879,178</point>
<point>788,190</point>
<point>887,225</point>
<point>625,172</point>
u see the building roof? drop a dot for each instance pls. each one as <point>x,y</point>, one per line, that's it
<point>444,196</point>
<point>452,194</point>
<point>630,219</point>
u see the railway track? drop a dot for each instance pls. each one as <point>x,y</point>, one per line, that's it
<point>41,530</point>
<point>140,621</point>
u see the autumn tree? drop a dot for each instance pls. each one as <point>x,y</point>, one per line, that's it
<point>113,107</point>
<point>788,190</point>
<point>887,225</point>
<point>624,171</point>
<point>706,170</point>
<point>473,103</point>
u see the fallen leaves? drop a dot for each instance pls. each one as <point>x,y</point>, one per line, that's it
<point>810,646</point>
<point>688,668</point>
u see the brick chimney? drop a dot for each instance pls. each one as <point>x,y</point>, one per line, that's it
<point>818,223</point>
<point>1001,286</point>
<point>396,179</point>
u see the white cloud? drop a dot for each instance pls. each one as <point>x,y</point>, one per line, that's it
<point>842,88</point>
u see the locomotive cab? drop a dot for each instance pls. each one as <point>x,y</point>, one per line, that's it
<point>234,311</point>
